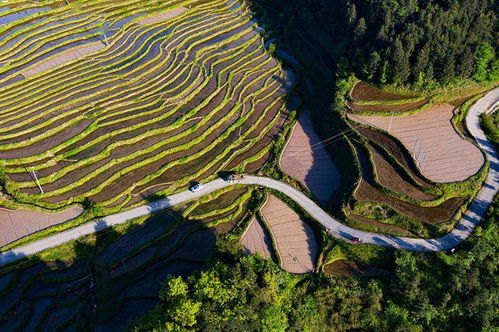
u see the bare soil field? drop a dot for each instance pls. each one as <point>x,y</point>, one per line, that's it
<point>257,240</point>
<point>431,138</point>
<point>364,92</point>
<point>396,149</point>
<point>64,57</point>
<point>162,16</point>
<point>295,240</point>
<point>306,160</point>
<point>15,224</point>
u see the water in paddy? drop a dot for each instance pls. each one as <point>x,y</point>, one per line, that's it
<point>20,15</point>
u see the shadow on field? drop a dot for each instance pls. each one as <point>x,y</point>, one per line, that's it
<point>302,45</point>
<point>100,282</point>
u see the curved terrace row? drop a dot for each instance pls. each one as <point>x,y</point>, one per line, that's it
<point>109,126</point>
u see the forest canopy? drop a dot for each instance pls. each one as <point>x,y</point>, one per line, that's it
<point>418,42</point>
<point>424,291</point>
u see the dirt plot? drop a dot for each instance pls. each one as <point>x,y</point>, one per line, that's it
<point>432,215</point>
<point>365,92</point>
<point>256,240</point>
<point>162,16</point>
<point>15,224</point>
<point>305,159</point>
<point>64,57</point>
<point>295,240</point>
<point>431,138</point>
<point>397,108</point>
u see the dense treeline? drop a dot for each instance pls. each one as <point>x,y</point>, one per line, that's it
<point>420,42</point>
<point>432,291</point>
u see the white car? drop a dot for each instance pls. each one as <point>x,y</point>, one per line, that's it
<point>197,187</point>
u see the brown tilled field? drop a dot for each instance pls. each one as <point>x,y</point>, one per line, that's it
<point>295,240</point>
<point>15,224</point>
<point>364,92</point>
<point>257,240</point>
<point>431,138</point>
<point>306,160</point>
<point>377,108</point>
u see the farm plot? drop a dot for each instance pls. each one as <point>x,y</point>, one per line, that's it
<point>174,93</point>
<point>368,99</point>
<point>104,280</point>
<point>295,240</point>
<point>365,92</point>
<point>380,206</point>
<point>15,224</point>
<point>442,155</point>
<point>306,159</point>
<point>256,240</point>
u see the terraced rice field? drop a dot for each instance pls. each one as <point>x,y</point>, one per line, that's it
<point>306,159</point>
<point>442,155</point>
<point>295,240</point>
<point>117,100</point>
<point>103,281</point>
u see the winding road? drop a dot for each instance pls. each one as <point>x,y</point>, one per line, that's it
<point>461,232</point>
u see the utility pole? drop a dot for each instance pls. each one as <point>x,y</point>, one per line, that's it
<point>390,125</point>
<point>37,182</point>
<point>124,265</point>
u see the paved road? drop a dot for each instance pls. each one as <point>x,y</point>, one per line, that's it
<point>462,231</point>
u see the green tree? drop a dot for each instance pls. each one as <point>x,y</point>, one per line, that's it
<point>274,319</point>
<point>483,57</point>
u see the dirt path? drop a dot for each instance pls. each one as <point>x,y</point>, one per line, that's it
<point>307,161</point>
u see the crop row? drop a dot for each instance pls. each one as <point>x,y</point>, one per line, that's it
<point>168,102</point>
